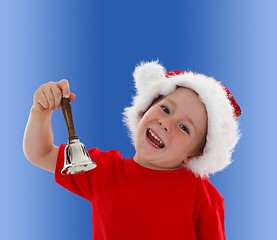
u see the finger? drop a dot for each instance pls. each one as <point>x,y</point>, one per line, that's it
<point>40,100</point>
<point>57,94</point>
<point>64,86</point>
<point>49,96</point>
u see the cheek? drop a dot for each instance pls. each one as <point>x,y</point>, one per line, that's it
<point>140,132</point>
<point>149,116</point>
<point>179,136</point>
<point>182,142</point>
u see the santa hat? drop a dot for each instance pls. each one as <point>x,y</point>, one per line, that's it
<point>152,81</point>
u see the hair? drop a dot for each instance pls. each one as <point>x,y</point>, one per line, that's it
<point>155,101</point>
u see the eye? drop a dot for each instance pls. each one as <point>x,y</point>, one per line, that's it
<point>184,128</point>
<point>165,109</point>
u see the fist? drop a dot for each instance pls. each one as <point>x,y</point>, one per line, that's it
<point>48,96</point>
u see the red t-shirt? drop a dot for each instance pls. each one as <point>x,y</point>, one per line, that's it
<point>131,202</point>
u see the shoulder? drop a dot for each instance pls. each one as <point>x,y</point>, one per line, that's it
<point>202,184</point>
<point>99,154</point>
<point>202,188</point>
<point>107,161</point>
<point>209,193</point>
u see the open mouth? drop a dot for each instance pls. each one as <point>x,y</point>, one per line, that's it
<point>154,139</point>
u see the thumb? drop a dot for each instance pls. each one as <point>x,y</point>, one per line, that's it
<point>72,97</point>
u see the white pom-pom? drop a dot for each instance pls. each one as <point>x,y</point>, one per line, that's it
<point>147,73</point>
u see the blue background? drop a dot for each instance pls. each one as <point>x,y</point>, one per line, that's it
<point>96,44</point>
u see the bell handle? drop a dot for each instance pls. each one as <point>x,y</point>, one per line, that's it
<point>67,114</point>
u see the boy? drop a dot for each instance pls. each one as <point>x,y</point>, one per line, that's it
<point>183,126</point>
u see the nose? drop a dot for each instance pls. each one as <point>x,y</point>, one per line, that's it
<point>164,124</point>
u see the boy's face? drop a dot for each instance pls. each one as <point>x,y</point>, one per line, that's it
<point>170,131</point>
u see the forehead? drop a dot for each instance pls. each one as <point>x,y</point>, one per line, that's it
<point>184,96</point>
<point>188,103</point>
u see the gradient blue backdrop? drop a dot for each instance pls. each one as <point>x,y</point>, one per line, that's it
<point>96,44</point>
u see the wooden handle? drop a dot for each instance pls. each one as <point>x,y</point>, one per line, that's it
<point>67,114</point>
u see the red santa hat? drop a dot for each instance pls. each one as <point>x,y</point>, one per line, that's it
<point>152,81</point>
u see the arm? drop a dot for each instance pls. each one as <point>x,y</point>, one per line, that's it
<point>38,141</point>
<point>212,226</point>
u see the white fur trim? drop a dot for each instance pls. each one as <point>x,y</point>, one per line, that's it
<point>147,73</point>
<point>222,132</point>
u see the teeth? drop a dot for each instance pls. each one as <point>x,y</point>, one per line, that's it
<point>156,137</point>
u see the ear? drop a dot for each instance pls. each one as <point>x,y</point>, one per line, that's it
<point>148,73</point>
<point>187,160</point>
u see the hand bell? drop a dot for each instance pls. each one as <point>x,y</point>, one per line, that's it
<point>76,157</point>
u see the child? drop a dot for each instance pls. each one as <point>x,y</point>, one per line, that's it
<point>183,126</point>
